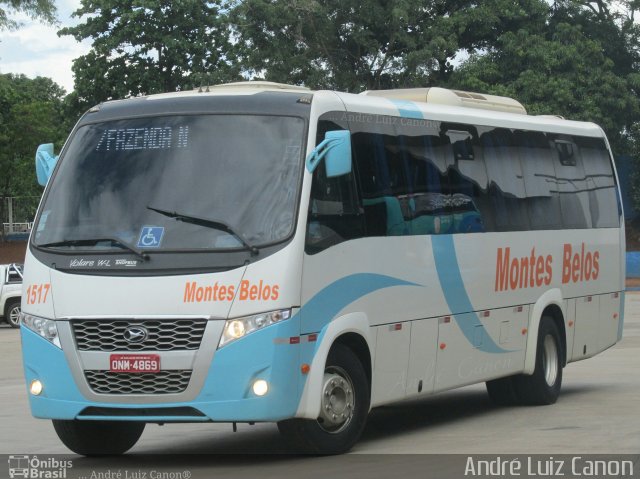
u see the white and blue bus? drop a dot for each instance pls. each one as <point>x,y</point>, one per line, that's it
<point>258,252</point>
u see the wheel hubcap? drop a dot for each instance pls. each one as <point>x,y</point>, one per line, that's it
<point>14,315</point>
<point>550,360</point>
<point>338,401</point>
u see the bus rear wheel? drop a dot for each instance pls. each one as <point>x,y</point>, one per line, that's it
<point>543,386</point>
<point>344,408</point>
<point>98,438</point>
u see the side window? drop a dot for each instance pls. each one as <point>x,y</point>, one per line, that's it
<point>427,158</point>
<point>566,151</point>
<point>543,199</point>
<point>507,194</point>
<point>419,177</point>
<point>573,184</point>
<point>382,172</point>
<point>468,209</point>
<point>603,196</point>
<point>334,214</point>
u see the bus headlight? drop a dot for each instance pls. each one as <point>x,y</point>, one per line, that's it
<point>239,327</point>
<point>43,327</point>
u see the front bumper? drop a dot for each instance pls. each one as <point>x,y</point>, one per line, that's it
<point>225,395</point>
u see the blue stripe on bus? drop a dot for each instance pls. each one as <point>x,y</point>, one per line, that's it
<point>328,302</point>
<point>448,270</point>
<point>408,109</point>
<point>452,284</point>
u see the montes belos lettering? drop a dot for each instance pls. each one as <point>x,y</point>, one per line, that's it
<point>528,271</point>
<point>247,291</point>
<point>535,270</point>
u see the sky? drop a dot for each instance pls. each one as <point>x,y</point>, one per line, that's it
<point>36,50</point>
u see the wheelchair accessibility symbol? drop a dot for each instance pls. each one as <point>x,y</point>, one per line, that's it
<point>150,237</point>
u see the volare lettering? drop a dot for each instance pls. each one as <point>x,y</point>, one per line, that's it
<point>81,263</point>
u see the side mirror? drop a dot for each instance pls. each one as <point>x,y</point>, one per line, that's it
<point>336,147</point>
<point>45,163</point>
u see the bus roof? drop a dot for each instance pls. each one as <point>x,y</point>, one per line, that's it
<point>386,102</point>
<point>456,114</point>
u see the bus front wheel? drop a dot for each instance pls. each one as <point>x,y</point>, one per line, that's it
<point>344,408</point>
<point>98,438</point>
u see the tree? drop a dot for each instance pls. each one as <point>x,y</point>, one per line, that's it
<point>44,10</point>
<point>30,114</point>
<point>149,46</point>
<point>369,44</point>
<point>561,72</point>
<point>583,64</point>
<point>610,23</point>
<point>614,25</point>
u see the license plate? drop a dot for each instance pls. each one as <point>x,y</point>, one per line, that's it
<point>134,363</point>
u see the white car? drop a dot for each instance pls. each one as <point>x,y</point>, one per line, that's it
<point>10,293</point>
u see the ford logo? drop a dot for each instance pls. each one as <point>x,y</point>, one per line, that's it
<point>135,334</point>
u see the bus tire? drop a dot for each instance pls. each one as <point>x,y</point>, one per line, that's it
<point>543,386</point>
<point>502,391</point>
<point>98,438</point>
<point>345,406</point>
<point>12,312</point>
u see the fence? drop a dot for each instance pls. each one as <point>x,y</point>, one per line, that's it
<point>17,215</point>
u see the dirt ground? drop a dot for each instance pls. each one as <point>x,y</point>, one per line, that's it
<point>12,251</point>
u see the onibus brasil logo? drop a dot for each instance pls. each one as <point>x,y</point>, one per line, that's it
<point>30,467</point>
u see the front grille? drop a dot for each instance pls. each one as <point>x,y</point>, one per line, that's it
<point>164,382</point>
<point>165,335</point>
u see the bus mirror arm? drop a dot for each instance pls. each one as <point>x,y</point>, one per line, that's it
<point>336,147</point>
<point>45,163</point>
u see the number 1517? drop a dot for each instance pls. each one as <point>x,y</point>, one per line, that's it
<point>37,293</point>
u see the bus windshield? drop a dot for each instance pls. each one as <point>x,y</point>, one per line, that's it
<point>191,182</point>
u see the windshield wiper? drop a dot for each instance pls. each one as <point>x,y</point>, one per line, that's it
<point>93,241</point>
<point>207,223</point>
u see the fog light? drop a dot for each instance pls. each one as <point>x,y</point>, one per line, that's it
<point>36,387</point>
<point>260,387</point>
